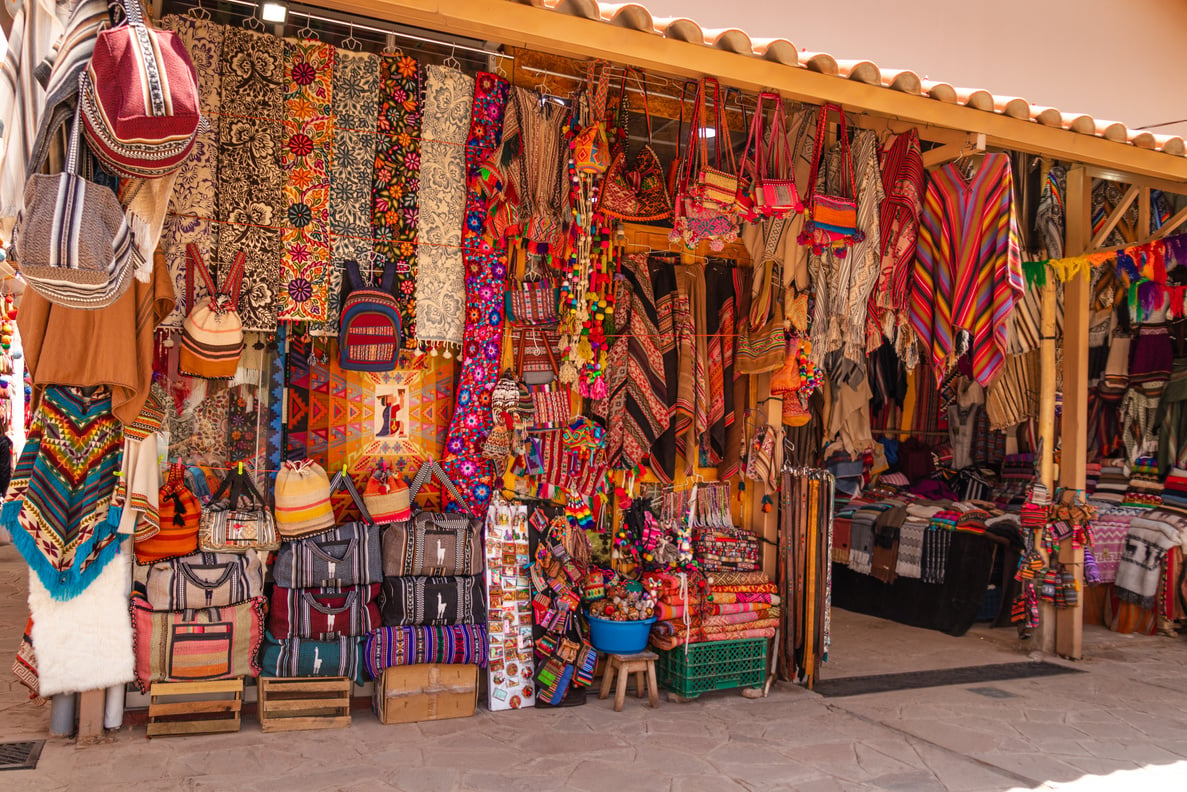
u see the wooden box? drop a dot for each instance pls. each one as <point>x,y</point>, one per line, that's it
<point>299,703</point>
<point>408,694</point>
<point>194,707</point>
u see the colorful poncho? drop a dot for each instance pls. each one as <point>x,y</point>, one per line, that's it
<point>60,494</point>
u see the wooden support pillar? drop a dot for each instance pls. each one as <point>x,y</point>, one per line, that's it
<point>91,706</point>
<point>1077,293</point>
<point>1047,619</point>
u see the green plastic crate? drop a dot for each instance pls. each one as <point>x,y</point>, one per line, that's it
<point>713,665</point>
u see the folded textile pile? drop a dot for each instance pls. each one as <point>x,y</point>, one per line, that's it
<point>1112,483</point>
<point>1016,477</point>
<point>1109,530</point>
<point>733,549</point>
<point>742,605</point>
<point>1174,492</point>
<point>1091,475</point>
<point>936,542</point>
<point>1145,485</point>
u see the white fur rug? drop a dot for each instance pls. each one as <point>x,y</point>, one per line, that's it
<point>85,643</point>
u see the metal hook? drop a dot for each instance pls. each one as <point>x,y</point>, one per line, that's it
<point>350,42</point>
<point>307,32</point>
<point>198,12</point>
<point>252,22</point>
<point>452,61</point>
<point>390,47</point>
<point>499,69</point>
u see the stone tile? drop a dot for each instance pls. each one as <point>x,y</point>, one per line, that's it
<point>599,776</point>
<point>959,773</point>
<point>915,781</point>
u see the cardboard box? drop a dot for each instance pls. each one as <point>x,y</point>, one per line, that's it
<point>409,694</point>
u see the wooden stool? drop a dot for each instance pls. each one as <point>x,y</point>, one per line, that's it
<point>641,665</point>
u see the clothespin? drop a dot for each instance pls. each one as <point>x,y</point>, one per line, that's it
<point>240,468</point>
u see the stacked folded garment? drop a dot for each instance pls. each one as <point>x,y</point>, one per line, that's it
<point>1091,474</point>
<point>742,605</point>
<point>842,534</point>
<point>1174,493</point>
<point>1016,477</point>
<point>1145,485</point>
<point>1113,482</point>
<point>910,550</point>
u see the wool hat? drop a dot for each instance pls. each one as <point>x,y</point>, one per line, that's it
<point>302,500</point>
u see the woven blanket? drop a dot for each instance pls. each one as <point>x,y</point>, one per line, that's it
<point>910,549</point>
<point>356,104</point>
<point>732,620</point>
<point>725,581</point>
<point>60,494</point>
<point>1108,541</point>
<point>740,597</point>
<point>1141,564</point>
<point>441,280</point>
<point>718,608</point>
<point>396,646</point>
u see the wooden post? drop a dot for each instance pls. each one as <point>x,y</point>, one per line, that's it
<point>1070,621</point>
<point>1047,621</point>
<point>91,706</point>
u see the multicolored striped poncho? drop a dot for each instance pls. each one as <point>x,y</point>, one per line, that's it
<point>58,503</point>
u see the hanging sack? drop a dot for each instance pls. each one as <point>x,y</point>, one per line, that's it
<point>405,601</point>
<point>832,219</point>
<point>696,219</point>
<point>140,98</point>
<point>347,555</point>
<point>433,543</point>
<point>237,519</point>
<point>205,580</point>
<point>591,148</point>
<point>299,657</point>
<point>179,514</point>
<point>323,614</point>
<point>196,645</point>
<point>369,332</point>
<point>717,184</point>
<point>73,242</point>
<point>765,184</point>
<point>302,500</point>
<point>211,334</point>
<point>638,192</point>
<point>551,405</point>
<point>532,300</point>
<point>386,496</point>
<point>761,345</point>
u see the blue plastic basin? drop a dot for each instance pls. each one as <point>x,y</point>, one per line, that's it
<point>619,637</point>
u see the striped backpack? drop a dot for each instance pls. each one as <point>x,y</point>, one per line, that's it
<point>212,334</point>
<point>369,331</point>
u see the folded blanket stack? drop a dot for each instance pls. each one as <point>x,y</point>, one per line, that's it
<point>1091,474</point>
<point>1174,492</point>
<point>1112,483</point>
<point>742,605</point>
<point>1145,485</point>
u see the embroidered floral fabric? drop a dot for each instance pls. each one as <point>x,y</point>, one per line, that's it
<point>356,106</point>
<point>485,260</point>
<point>396,181</point>
<point>441,276</point>
<point>194,191</point>
<point>305,161</point>
<point>250,194</point>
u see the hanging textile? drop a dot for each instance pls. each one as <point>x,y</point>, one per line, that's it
<point>356,106</point>
<point>736,383</point>
<point>721,328</point>
<point>395,183</point>
<point>306,158</point>
<point>968,271</point>
<point>692,401</point>
<point>250,181</point>
<point>485,286</point>
<point>541,160</point>
<point>195,192</point>
<point>898,225</point>
<point>636,409</point>
<point>805,572</point>
<point>441,276</point>
<point>57,508</point>
<point>663,287</point>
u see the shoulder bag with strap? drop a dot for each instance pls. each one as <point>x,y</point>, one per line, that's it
<point>433,543</point>
<point>323,614</point>
<point>766,187</point>
<point>697,216</point>
<point>237,518</point>
<point>591,148</point>
<point>370,336</point>
<point>531,299</point>
<point>636,192</point>
<point>212,333</point>
<point>347,555</point>
<point>551,405</point>
<point>179,513</point>
<point>205,580</point>
<point>761,341</point>
<point>832,219</point>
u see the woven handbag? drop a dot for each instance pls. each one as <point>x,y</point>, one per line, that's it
<point>406,601</point>
<point>637,192</point>
<point>696,219</point>
<point>765,180</point>
<point>211,334</point>
<point>349,555</point>
<point>205,580</point>
<point>323,614</point>
<point>196,645</point>
<point>717,184</point>
<point>179,513</point>
<point>591,148</point>
<point>761,342</point>
<point>433,543</point>
<point>386,496</point>
<point>237,519</point>
<point>140,98</point>
<point>551,402</point>
<point>832,219</point>
<point>299,657</point>
<point>73,242</point>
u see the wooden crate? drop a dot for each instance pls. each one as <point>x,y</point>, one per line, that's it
<point>298,703</point>
<point>195,707</point>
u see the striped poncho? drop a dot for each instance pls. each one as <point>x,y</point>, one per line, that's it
<point>60,495</point>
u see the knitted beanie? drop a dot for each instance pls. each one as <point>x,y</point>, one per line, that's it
<point>302,500</point>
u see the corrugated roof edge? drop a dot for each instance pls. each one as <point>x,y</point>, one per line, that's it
<point>636,16</point>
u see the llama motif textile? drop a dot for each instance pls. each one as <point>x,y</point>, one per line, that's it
<point>486,270</point>
<point>305,160</point>
<point>60,495</point>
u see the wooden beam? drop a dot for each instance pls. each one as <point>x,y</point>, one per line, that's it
<point>933,158</point>
<point>1144,212</point>
<point>558,33</point>
<point>1113,219</point>
<point>1176,220</point>
<point>1074,427</point>
<point>1112,174</point>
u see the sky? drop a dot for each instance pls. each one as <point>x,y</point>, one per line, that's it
<point>1119,60</point>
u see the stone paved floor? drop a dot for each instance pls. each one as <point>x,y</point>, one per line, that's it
<point>1121,725</point>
